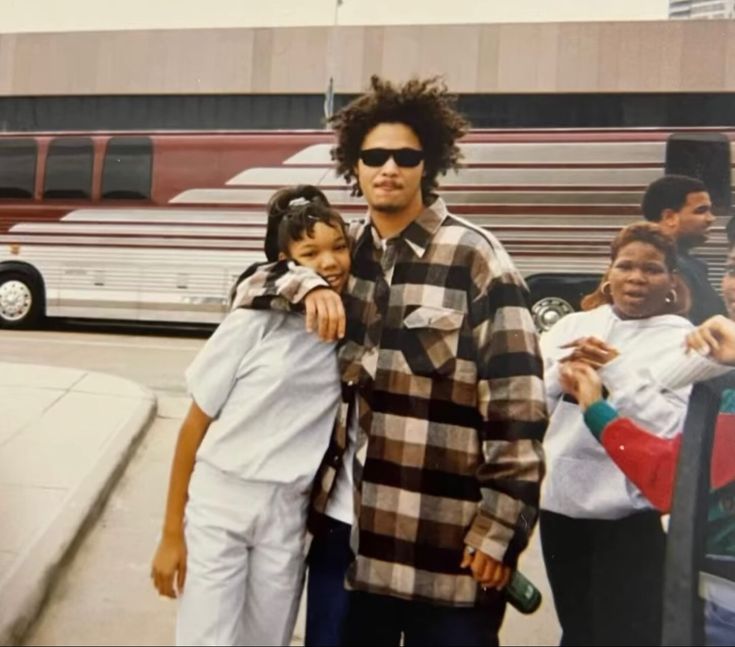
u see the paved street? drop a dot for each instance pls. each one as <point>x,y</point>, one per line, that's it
<point>104,596</point>
<point>153,360</point>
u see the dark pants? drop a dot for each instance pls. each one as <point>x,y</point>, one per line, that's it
<point>606,577</point>
<point>326,597</point>
<point>381,620</point>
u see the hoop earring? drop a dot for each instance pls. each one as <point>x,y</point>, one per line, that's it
<point>672,297</point>
<point>607,294</point>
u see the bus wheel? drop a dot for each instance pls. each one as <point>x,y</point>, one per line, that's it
<point>21,300</point>
<point>547,311</point>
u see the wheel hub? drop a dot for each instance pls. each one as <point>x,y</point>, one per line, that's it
<point>15,300</point>
<point>547,311</point>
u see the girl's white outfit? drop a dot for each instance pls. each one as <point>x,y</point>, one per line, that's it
<point>582,481</point>
<point>273,391</point>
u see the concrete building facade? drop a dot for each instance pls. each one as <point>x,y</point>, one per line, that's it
<point>646,73</point>
<point>653,56</point>
<point>701,9</point>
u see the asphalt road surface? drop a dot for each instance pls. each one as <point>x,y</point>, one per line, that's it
<point>104,595</point>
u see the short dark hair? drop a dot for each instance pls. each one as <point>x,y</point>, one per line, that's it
<point>651,234</point>
<point>425,106</point>
<point>292,214</point>
<point>669,192</point>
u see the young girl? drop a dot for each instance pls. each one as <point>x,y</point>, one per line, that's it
<point>265,394</point>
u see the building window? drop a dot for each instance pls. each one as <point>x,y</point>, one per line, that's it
<point>69,169</point>
<point>126,174</point>
<point>17,168</point>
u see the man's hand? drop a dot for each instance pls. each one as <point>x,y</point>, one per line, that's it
<point>486,571</point>
<point>325,314</point>
<point>715,338</point>
<point>591,351</point>
<point>581,381</point>
<point>169,562</point>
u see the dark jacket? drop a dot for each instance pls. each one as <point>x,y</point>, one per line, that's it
<point>705,301</point>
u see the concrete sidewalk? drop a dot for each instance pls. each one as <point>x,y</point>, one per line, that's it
<point>65,437</point>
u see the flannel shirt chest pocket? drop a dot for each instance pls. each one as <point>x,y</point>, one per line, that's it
<point>430,339</point>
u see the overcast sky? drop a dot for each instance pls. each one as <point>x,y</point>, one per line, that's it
<point>70,15</point>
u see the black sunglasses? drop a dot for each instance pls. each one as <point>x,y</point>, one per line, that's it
<point>406,157</point>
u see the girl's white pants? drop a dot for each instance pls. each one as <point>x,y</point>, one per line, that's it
<point>245,562</point>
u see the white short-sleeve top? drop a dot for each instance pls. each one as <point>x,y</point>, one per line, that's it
<point>273,390</point>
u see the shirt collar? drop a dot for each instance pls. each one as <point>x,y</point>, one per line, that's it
<point>418,234</point>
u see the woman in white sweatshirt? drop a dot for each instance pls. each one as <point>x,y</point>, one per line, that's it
<point>602,540</point>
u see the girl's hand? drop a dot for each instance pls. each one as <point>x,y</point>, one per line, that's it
<point>590,350</point>
<point>715,338</point>
<point>581,381</point>
<point>169,562</point>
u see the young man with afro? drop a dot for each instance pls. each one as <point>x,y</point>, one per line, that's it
<point>429,489</point>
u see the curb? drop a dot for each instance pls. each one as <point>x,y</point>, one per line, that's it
<point>24,589</point>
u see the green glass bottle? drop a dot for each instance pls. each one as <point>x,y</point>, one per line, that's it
<point>522,594</point>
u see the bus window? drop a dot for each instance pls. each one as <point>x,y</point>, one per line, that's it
<point>705,156</point>
<point>69,169</point>
<point>126,174</point>
<point>17,168</point>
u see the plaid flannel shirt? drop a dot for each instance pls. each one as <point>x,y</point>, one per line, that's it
<point>441,357</point>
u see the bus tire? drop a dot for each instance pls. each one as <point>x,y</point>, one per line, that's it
<point>22,299</point>
<point>548,310</point>
<point>554,296</point>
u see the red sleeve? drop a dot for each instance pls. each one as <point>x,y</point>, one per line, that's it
<point>648,461</point>
<point>723,451</point>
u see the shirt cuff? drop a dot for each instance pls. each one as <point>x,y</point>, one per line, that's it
<point>295,285</point>
<point>598,416</point>
<point>489,537</point>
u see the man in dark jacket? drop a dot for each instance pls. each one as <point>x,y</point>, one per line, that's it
<point>682,206</point>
